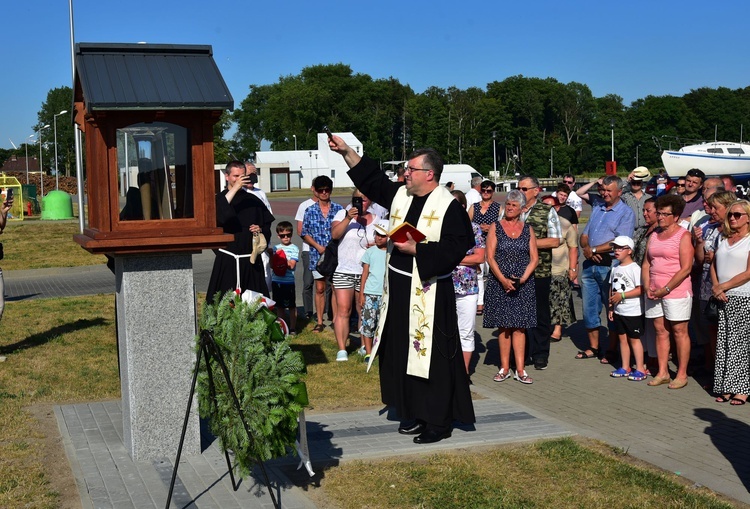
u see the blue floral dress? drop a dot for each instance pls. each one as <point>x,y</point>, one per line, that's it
<point>516,309</point>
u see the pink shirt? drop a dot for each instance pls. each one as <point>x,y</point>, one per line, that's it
<point>664,260</point>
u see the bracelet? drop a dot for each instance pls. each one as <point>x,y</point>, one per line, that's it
<point>623,295</point>
<point>573,269</point>
<point>668,290</point>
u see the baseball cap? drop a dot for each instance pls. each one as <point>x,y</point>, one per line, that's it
<point>623,241</point>
<point>641,173</point>
<point>382,226</point>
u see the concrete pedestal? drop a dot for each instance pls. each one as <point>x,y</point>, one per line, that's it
<point>156,329</point>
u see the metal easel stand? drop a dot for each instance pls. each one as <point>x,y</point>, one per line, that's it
<point>208,348</point>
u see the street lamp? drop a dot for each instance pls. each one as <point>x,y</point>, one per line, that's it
<point>57,174</point>
<point>27,157</point>
<point>636,155</point>
<point>612,124</point>
<point>295,142</point>
<point>494,152</point>
<point>41,165</point>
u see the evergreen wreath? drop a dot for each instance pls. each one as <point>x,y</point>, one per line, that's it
<point>266,375</point>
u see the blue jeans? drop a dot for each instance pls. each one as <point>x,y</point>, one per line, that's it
<point>595,292</point>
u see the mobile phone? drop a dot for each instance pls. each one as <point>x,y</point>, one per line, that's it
<point>516,282</point>
<point>9,194</point>
<point>328,132</point>
<point>357,203</point>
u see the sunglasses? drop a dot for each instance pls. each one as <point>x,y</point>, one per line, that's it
<point>324,190</point>
<point>284,235</point>
<point>679,185</point>
<point>567,181</point>
<point>735,215</point>
<point>488,190</point>
<point>524,189</point>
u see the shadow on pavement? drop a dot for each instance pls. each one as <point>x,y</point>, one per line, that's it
<point>729,436</point>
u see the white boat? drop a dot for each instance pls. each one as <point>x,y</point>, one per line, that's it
<point>713,158</point>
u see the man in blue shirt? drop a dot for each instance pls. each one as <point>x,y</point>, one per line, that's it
<point>610,218</point>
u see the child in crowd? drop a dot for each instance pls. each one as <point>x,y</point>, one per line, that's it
<point>625,309</point>
<point>373,275</point>
<point>282,279</point>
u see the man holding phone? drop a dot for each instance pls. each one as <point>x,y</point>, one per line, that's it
<point>244,215</point>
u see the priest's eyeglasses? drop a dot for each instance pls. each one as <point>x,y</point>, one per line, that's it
<point>411,169</point>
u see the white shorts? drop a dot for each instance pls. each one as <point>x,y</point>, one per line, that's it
<point>674,310</point>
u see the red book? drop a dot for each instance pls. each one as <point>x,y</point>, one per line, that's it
<point>398,234</point>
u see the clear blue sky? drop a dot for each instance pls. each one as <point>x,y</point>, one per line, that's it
<point>630,48</point>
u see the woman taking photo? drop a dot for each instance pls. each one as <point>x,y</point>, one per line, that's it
<point>511,298</point>
<point>484,213</point>
<point>730,274</point>
<point>666,279</point>
<point>356,234</point>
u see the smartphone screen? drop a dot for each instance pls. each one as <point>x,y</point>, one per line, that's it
<point>9,194</point>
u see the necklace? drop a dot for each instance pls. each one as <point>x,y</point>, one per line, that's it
<point>512,229</point>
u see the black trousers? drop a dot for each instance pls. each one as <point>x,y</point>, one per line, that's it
<point>538,337</point>
<point>307,283</point>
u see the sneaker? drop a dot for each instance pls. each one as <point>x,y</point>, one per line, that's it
<point>362,351</point>
<point>342,356</point>
<point>619,373</point>
<point>367,359</point>
<point>637,376</point>
<point>501,376</point>
<point>540,365</point>
<point>523,378</point>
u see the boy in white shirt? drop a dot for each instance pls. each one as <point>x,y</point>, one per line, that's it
<point>625,309</point>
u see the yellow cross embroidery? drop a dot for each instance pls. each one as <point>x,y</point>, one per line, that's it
<point>432,217</point>
<point>396,216</point>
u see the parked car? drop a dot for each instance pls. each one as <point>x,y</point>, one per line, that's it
<point>651,185</point>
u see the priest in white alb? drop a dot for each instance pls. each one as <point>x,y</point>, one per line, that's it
<point>422,374</point>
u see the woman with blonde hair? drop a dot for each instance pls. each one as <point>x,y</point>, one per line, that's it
<point>730,275</point>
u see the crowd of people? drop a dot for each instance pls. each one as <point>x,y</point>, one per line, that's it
<point>671,273</point>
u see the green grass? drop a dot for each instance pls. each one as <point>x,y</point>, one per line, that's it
<point>559,473</point>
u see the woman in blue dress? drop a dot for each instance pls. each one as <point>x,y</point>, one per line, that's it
<point>511,302</point>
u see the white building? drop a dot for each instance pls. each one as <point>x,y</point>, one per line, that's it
<point>295,169</point>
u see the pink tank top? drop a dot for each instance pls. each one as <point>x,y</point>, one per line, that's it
<point>664,257</point>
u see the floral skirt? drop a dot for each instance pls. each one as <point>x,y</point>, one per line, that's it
<point>561,301</point>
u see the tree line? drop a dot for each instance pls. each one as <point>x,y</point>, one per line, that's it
<point>530,125</point>
<point>521,124</point>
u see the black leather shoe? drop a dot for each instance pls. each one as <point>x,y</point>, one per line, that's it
<point>412,429</point>
<point>430,436</point>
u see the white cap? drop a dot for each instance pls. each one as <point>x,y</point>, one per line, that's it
<point>623,241</point>
<point>382,226</point>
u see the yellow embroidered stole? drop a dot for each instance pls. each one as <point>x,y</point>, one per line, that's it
<point>422,293</point>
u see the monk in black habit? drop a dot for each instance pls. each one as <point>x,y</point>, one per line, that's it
<point>242,214</point>
<point>427,406</point>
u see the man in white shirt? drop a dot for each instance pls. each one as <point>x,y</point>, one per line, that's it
<point>474,195</point>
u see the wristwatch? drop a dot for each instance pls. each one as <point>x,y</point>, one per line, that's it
<point>593,250</point>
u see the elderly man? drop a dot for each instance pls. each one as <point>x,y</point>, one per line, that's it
<point>546,225</point>
<point>244,215</point>
<point>610,218</point>
<point>422,373</point>
<point>474,195</point>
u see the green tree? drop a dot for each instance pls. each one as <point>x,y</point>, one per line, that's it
<point>58,99</point>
